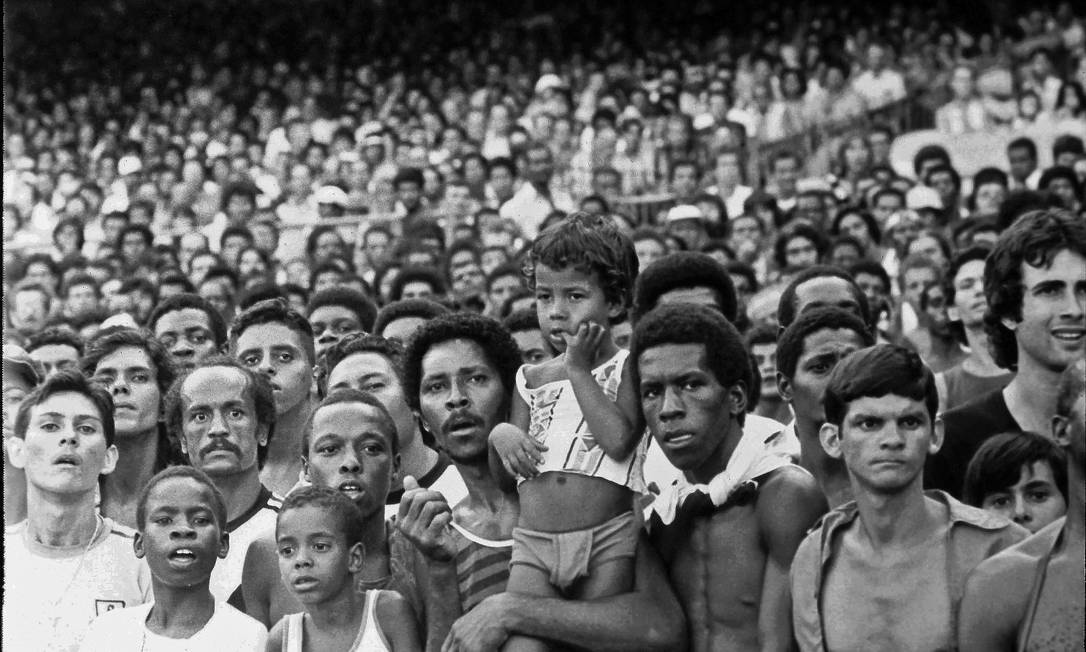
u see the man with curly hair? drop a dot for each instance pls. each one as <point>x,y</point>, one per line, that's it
<point>1035,283</point>
<point>460,375</point>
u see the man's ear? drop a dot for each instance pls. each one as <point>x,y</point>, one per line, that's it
<point>305,469</point>
<point>224,545</point>
<point>16,451</point>
<point>938,431</point>
<point>137,545</point>
<point>355,557</point>
<point>784,387</point>
<point>829,435</point>
<point>1060,430</point>
<point>737,396</point>
<point>109,462</point>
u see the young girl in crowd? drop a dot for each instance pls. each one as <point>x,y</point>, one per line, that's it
<point>575,440</point>
<point>319,538</point>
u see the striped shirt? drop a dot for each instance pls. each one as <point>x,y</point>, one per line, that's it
<point>257,522</point>
<point>482,567</point>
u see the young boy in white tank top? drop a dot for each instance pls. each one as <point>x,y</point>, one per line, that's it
<point>576,439</point>
<point>319,541</point>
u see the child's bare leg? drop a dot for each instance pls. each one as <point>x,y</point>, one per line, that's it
<point>528,580</point>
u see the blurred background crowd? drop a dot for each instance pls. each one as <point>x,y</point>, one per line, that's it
<point>245,149</point>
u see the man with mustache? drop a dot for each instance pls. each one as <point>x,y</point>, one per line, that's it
<point>190,328</point>
<point>136,370</point>
<point>459,374</point>
<point>224,415</point>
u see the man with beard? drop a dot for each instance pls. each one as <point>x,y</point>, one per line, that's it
<point>1035,283</point>
<point>224,415</point>
<point>459,375</point>
<point>190,328</point>
<point>352,448</point>
<point>137,372</point>
<point>272,338</point>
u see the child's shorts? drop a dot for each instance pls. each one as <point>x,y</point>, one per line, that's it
<point>569,556</point>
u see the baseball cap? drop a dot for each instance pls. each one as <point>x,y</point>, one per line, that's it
<point>549,81</point>
<point>685,212</point>
<point>920,197</point>
<point>129,165</point>
<point>17,361</point>
<point>331,195</point>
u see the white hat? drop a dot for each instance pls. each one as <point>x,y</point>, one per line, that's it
<point>685,212</point>
<point>920,197</point>
<point>331,195</point>
<point>549,81</point>
<point>128,165</point>
<point>123,319</point>
<point>703,121</point>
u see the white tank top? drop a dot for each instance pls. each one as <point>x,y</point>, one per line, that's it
<point>370,637</point>
<point>557,421</point>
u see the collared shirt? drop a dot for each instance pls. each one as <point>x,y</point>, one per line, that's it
<point>973,536</point>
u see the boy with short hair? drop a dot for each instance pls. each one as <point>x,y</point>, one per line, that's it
<point>181,519</point>
<point>1019,476</point>
<point>319,540</point>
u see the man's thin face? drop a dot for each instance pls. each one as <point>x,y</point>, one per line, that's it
<point>130,376</point>
<point>1052,331</point>
<point>220,430</point>
<point>278,352</point>
<point>822,350</point>
<point>52,358</point>
<point>885,441</point>
<point>461,398</point>
<point>65,448</point>
<point>187,335</point>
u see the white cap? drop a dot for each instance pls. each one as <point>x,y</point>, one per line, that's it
<point>685,212</point>
<point>128,165</point>
<point>331,195</point>
<point>122,319</point>
<point>923,197</point>
<point>703,121</point>
<point>549,81</point>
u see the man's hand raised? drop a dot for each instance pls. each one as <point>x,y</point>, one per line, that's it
<point>424,518</point>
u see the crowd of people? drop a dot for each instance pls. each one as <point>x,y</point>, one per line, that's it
<point>463,326</point>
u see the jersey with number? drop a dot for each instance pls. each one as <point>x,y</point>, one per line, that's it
<point>558,422</point>
<point>51,595</point>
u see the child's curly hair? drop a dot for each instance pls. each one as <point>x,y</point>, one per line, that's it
<point>589,243</point>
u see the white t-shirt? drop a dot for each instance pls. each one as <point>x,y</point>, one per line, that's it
<point>51,595</point>
<point>659,471</point>
<point>125,630</point>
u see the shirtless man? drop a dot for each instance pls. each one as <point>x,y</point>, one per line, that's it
<point>807,352</point>
<point>352,448</point>
<point>273,339</point>
<point>886,572</point>
<point>1030,596</point>
<point>728,528</point>
<point>459,372</point>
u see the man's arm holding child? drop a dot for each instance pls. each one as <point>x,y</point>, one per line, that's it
<point>649,618</point>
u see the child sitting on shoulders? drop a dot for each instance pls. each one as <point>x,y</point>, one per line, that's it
<point>576,438</point>
<point>181,521</point>
<point>319,539</point>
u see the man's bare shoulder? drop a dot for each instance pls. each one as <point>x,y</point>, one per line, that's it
<point>1012,569</point>
<point>790,492</point>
